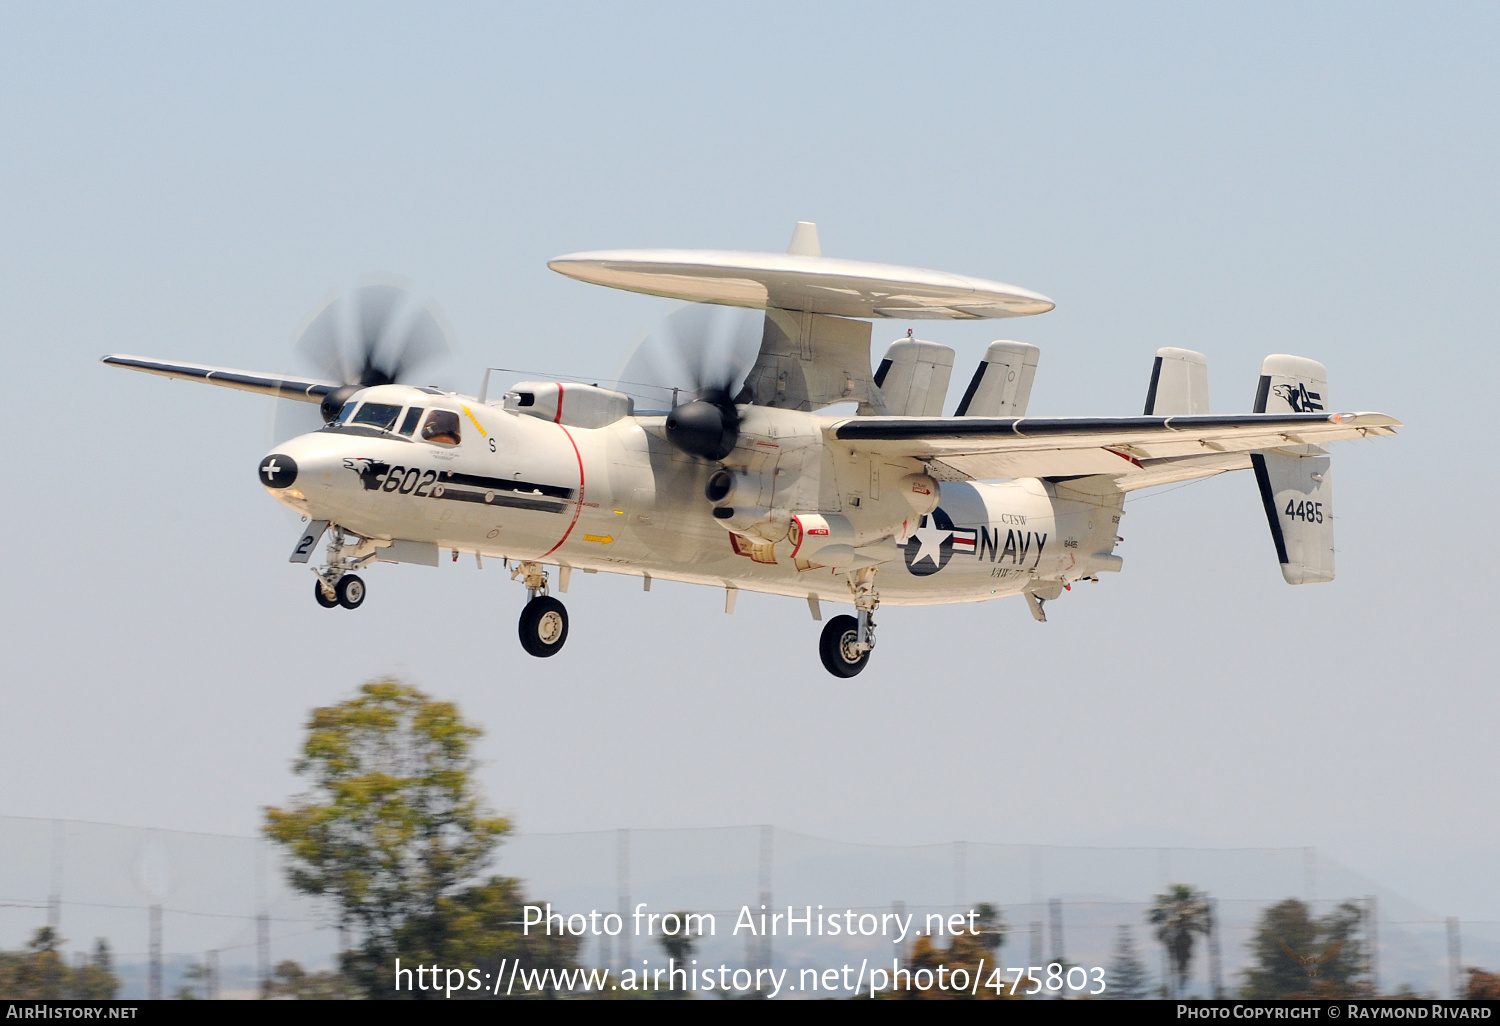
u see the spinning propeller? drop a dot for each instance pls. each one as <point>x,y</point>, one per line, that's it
<point>377,334</point>
<point>702,353</point>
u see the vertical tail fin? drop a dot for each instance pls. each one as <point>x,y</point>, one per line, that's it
<point>913,377</point>
<point>1001,385</point>
<point>1179,384</point>
<point>1296,482</point>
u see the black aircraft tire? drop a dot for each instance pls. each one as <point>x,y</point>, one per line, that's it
<point>324,600</point>
<point>544,626</point>
<point>839,631</point>
<point>351,591</point>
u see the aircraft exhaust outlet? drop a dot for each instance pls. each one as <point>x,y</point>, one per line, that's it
<point>811,533</point>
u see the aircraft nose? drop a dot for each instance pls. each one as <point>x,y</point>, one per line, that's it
<point>277,470</point>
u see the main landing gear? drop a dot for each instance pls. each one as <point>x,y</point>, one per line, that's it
<point>847,641</point>
<point>337,584</point>
<point>544,620</point>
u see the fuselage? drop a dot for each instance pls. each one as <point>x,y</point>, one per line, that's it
<point>445,473</point>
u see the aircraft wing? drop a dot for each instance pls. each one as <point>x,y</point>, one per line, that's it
<point>1137,452</point>
<point>302,389</point>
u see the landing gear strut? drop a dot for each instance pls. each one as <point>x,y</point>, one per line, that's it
<point>544,620</point>
<point>847,641</point>
<point>337,585</point>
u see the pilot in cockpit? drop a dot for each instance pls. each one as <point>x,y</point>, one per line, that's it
<point>441,427</point>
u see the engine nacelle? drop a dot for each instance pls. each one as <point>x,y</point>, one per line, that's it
<point>584,406</point>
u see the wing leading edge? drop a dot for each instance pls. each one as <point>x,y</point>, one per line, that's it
<point>1137,451</point>
<point>302,389</point>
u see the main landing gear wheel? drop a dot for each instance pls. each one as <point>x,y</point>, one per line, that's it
<point>544,626</point>
<point>839,647</point>
<point>351,591</point>
<point>324,600</point>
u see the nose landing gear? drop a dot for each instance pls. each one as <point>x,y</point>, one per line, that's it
<point>544,620</point>
<point>337,585</point>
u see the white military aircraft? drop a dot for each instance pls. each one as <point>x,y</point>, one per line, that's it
<point>740,483</point>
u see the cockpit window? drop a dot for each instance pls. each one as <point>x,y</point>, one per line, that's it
<point>346,412</point>
<point>441,427</point>
<point>381,415</point>
<point>409,422</point>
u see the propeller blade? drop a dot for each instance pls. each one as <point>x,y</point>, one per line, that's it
<point>378,334</point>
<point>695,350</point>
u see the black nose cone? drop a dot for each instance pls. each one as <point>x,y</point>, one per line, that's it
<point>278,471</point>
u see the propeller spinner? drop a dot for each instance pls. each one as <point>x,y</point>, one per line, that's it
<point>708,350</point>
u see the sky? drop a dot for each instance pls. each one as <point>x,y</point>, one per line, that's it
<point>190,181</point>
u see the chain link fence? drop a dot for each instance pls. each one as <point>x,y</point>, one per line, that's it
<point>167,901</point>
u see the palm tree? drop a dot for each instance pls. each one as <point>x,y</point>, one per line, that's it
<point>679,946</point>
<point>1177,916</point>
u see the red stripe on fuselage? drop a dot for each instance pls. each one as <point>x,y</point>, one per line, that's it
<point>577,510</point>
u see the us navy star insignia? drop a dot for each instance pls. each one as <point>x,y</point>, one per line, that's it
<point>930,539</point>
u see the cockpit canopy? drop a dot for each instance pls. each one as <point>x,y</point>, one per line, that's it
<point>389,416</point>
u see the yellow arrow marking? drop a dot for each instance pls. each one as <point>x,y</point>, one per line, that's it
<point>602,539</point>
<point>475,419</point>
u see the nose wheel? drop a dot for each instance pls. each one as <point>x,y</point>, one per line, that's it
<point>544,626</point>
<point>336,585</point>
<point>348,591</point>
<point>327,597</point>
<point>351,591</point>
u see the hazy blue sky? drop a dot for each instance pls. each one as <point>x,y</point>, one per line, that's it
<point>189,181</point>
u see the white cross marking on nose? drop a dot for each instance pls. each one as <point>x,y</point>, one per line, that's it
<point>271,470</point>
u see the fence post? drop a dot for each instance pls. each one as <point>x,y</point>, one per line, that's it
<point>263,952</point>
<point>622,889</point>
<point>1054,913</point>
<point>1215,961</point>
<point>153,977</point>
<point>1455,960</point>
<point>54,897</point>
<point>767,838</point>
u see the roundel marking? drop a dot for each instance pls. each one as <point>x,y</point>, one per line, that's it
<point>930,546</point>
<point>278,471</point>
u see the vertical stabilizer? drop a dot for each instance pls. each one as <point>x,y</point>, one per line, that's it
<point>1296,482</point>
<point>913,377</point>
<point>1001,385</point>
<point>805,240</point>
<point>1179,384</point>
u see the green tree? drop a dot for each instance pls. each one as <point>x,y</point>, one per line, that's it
<point>679,946</point>
<point>39,972</point>
<point>1127,979</point>
<point>96,981</point>
<point>1288,934</point>
<point>1178,916</point>
<point>991,926</point>
<point>392,825</point>
<point>481,927</point>
<point>290,980</point>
